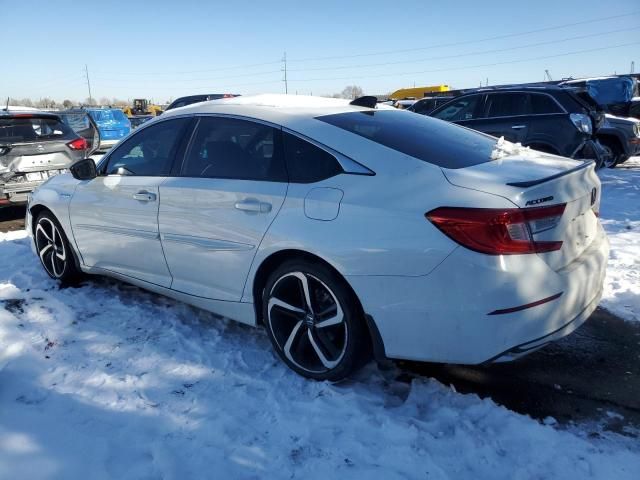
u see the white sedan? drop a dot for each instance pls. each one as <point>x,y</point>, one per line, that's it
<point>345,230</point>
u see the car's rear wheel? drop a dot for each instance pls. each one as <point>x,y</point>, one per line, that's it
<point>54,250</point>
<point>313,321</point>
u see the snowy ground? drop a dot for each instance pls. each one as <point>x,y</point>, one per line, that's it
<point>620,214</point>
<point>107,381</point>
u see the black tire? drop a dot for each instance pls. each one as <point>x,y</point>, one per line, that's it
<point>311,340</point>
<point>56,255</point>
<point>613,151</point>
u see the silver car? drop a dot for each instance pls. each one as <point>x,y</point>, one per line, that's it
<point>34,146</point>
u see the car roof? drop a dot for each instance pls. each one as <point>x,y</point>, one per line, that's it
<point>519,88</point>
<point>281,109</point>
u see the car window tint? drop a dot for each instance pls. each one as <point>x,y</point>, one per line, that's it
<point>33,129</point>
<point>424,106</point>
<point>440,143</point>
<point>541,104</point>
<point>234,148</point>
<point>149,152</point>
<point>465,108</point>
<point>307,163</point>
<point>507,104</point>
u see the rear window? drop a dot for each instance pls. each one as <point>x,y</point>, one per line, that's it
<point>440,143</point>
<point>77,121</point>
<point>33,129</point>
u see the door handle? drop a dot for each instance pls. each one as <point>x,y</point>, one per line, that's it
<point>253,206</point>
<point>518,127</point>
<point>145,196</point>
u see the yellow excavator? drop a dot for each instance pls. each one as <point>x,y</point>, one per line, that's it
<point>141,106</point>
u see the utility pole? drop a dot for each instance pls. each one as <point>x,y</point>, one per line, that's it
<point>286,85</point>
<point>548,75</point>
<point>633,66</point>
<point>86,71</point>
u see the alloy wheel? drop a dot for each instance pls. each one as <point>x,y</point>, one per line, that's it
<point>51,248</point>
<point>307,322</point>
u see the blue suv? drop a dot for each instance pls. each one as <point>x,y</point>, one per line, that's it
<point>113,125</point>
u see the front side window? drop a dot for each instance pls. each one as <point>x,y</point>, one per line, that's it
<point>307,163</point>
<point>465,108</point>
<point>234,148</point>
<point>150,152</point>
<point>507,104</point>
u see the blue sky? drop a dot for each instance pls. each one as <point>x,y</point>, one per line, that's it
<point>167,48</point>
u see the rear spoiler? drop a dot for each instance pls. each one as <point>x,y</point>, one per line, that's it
<point>533,183</point>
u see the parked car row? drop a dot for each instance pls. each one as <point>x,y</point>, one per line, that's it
<point>562,120</point>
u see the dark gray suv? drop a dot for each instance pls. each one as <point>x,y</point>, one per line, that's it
<point>33,147</point>
<point>550,119</point>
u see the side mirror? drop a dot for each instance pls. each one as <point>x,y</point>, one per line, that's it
<point>84,169</point>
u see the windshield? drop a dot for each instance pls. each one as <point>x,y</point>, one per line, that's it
<point>428,139</point>
<point>32,129</point>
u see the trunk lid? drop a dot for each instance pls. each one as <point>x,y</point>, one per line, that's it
<point>33,157</point>
<point>532,179</point>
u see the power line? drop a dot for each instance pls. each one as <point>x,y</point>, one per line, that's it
<point>251,65</point>
<point>397,74</point>
<point>173,80</point>
<point>466,42</point>
<point>480,52</point>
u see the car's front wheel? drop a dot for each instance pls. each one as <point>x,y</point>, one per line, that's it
<point>313,321</point>
<point>54,250</point>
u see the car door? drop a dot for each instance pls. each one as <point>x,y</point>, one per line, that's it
<point>214,214</point>
<point>507,115</point>
<point>114,217</point>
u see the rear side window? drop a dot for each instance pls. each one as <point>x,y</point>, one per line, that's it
<point>465,108</point>
<point>33,129</point>
<point>440,143</point>
<point>307,163</point>
<point>77,121</point>
<point>233,148</point>
<point>543,104</point>
<point>507,104</point>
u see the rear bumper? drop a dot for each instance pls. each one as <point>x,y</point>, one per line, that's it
<point>445,316</point>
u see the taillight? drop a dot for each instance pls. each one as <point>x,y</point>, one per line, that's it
<point>494,231</point>
<point>78,144</point>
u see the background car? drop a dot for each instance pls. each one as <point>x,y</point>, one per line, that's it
<point>138,120</point>
<point>191,99</point>
<point>112,123</point>
<point>546,118</point>
<point>621,136</point>
<point>34,146</point>
<point>342,229</point>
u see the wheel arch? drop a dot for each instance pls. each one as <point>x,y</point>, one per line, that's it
<point>35,211</point>
<point>270,263</point>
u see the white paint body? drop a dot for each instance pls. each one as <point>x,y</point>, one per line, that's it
<point>428,296</point>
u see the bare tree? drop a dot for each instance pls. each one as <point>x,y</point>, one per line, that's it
<point>352,91</point>
<point>67,104</point>
<point>90,101</point>
<point>45,102</point>
<point>104,101</point>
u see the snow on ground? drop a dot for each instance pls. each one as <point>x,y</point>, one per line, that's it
<point>620,215</point>
<point>106,381</point>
